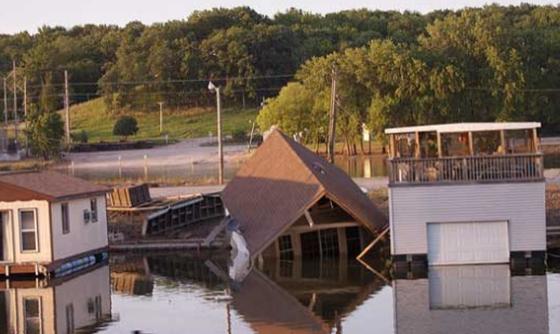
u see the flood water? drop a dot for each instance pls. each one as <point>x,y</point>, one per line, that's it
<point>178,293</point>
<point>361,166</point>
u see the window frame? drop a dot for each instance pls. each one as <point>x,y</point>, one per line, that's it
<point>35,230</point>
<point>94,209</point>
<point>65,217</point>
<point>39,315</point>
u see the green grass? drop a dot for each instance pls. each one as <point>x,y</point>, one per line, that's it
<point>92,116</point>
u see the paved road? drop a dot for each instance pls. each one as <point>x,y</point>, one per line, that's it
<point>179,154</point>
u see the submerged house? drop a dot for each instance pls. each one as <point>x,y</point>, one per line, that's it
<point>50,224</point>
<point>290,202</point>
<point>468,193</point>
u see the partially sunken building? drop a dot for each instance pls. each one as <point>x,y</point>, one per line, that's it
<point>290,202</point>
<point>469,193</point>
<point>50,224</point>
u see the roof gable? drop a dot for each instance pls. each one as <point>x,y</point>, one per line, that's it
<point>282,180</point>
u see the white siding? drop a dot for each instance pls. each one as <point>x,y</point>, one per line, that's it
<point>82,237</point>
<point>468,243</point>
<point>527,313</point>
<point>79,293</point>
<point>522,205</point>
<point>14,234</point>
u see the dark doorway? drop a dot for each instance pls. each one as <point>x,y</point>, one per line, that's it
<point>310,246</point>
<point>2,228</point>
<point>353,241</point>
<point>4,314</point>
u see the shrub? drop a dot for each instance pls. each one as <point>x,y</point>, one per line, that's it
<point>126,126</point>
<point>239,135</point>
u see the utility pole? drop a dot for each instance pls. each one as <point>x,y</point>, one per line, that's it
<point>220,146</point>
<point>67,107</point>
<point>16,120</point>
<point>332,115</point>
<point>160,117</point>
<point>25,97</point>
<point>5,105</point>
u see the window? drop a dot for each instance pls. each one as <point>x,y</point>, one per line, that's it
<point>32,314</point>
<point>65,218</point>
<point>70,319</point>
<point>28,222</point>
<point>93,208</point>
<point>286,248</point>
<point>329,243</point>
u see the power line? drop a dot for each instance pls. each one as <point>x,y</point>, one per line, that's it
<point>161,82</point>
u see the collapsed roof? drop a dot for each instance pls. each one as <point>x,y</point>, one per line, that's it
<point>280,182</point>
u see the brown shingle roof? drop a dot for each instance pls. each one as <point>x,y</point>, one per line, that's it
<point>282,180</point>
<point>45,185</point>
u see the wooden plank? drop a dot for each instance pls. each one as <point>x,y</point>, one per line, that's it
<point>535,141</point>
<point>392,146</point>
<point>503,141</point>
<point>439,149</point>
<point>374,242</point>
<point>471,144</point>
<point>417,152</point>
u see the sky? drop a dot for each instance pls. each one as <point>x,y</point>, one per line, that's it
<point>16,16</point>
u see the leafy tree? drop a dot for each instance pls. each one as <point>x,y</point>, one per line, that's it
<point>45,131</point>
<point>125,126</point>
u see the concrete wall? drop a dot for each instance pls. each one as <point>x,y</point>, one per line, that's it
<point>13,237</point>
<point>527,312</point>
<point>82,237</point>
<point>521,204</point>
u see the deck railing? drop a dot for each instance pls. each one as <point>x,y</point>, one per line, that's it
<point>471,169</point>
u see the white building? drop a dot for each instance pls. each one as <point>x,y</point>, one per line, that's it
<point>467,193</point>
<point>79,304</point>
<point>50,224</point>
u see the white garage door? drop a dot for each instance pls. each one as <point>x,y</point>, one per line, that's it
<point>468,243</point>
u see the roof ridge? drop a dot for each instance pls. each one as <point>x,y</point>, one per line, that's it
<point>289,141</point>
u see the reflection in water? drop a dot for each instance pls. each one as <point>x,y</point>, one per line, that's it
<point>177,293</point>
<point>73,305</point>
<point>471,299</point>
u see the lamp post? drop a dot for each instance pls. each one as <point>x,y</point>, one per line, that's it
<point>160,117</point>
<point>215,89</point>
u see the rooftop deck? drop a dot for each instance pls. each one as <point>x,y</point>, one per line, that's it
<point>465,153</point>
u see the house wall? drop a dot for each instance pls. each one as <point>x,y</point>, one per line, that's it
<point>528,312</point>
<point>46,310</point>
<point>14,231</point>
<point>80,292</point>
<point>82,237</point>
<point>521,204</point>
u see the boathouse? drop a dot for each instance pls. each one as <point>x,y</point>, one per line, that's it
<point>50,224</point>
<point>468,193</point>
<point>290,202</point>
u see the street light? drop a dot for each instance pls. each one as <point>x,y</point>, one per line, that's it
<point>215,89</point>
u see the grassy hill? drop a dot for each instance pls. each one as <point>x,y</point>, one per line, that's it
<point>93,117</point>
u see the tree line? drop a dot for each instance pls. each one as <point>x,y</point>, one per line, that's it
<point>476,64</point>
<point>479,64</point>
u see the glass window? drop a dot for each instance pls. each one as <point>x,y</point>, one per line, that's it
<point>70,319</point>
<point>65,218</point>
<point>93,208</point>
<point>286,248</point>
<point>32,309</point>
<point>329,243</point>
<point>28,231</point>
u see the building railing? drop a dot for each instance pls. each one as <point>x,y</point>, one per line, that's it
<point>470,169</point>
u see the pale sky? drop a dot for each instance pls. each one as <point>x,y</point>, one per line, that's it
<point>28,15</point>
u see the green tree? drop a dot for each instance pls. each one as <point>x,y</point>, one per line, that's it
<point>45,131</point>
<point>125,126</point>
